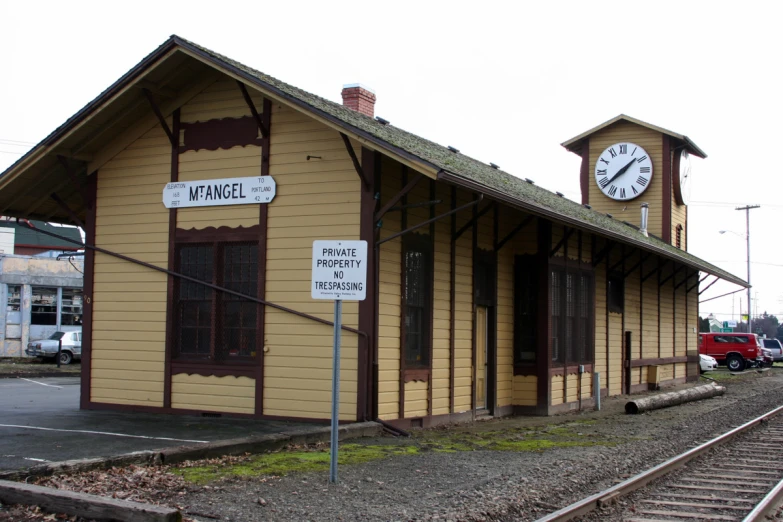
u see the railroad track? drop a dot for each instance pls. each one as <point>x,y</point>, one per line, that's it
<point>742,482</point>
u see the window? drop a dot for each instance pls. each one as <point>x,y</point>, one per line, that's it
<point>71,307</point>
<point>44,306</point>
<point>212,325</point>
<point>678,236</point>
<point>571,317</point>
<point>417,299</point>
<point>14,298</point>
<point>616,294</point>
<point>525,310</point>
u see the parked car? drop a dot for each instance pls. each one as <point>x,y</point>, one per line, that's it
<point>47,348</point>
<point>775,346</point>
<point>768,360</point>
<point>707,363</point>
<point>736,350</point>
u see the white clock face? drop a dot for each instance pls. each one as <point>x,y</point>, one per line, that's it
<point>623,171</point>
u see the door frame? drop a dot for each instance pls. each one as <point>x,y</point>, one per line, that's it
<point>486,297</point>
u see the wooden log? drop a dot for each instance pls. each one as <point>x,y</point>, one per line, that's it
<point>664,400</point>
<point>84,505</point>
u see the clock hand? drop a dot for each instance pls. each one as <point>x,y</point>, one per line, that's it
<point>622,170</point>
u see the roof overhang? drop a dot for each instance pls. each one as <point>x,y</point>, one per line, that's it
<point>648,246</point>
<point>575,144</point>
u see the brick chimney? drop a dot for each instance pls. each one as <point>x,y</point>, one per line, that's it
<point>359,98</point>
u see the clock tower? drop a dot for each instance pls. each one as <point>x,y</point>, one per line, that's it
<point>627,162</point>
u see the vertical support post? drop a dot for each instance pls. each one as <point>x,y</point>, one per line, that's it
<point>27,317</point>
<point>338,309</point>
<point>628,353</point>
<point>58,322</point>
<point>59,350</point>
<point>597,390</point>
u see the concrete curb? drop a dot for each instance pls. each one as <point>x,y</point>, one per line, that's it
<point>253,444</point>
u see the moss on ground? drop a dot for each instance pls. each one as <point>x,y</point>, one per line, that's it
<point>479,437</point>
<point>292,461</point>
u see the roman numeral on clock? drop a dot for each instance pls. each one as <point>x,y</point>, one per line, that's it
<point>624,148</point>
<point>612,190</point>
<point>634,190</point>
<point>601,172</point>
<point>603,182</point>
<point>644,170</point>
<point>639,160</point>
<point>612,152</point>
<point>604,161</point>
<point>641,180</point>
<point>622,193</point>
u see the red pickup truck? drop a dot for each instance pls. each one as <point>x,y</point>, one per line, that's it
<point>736,350</point>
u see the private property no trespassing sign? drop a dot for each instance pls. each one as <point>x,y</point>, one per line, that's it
<point>217,192</point>
<point>339,270</point>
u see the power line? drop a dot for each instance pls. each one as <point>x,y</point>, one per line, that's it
<point>16,142</point>
<point>11,152</point>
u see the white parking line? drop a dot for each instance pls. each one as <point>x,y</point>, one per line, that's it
<point>25,458</point>
<point>101,433</point>
<point>42,384</point>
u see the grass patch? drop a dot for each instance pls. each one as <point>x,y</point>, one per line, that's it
<point>291,461</point>
<point>27,365</point>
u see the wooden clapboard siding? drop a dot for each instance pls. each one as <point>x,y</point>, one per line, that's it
<point>615,363</point>
<point>222,99</point>
<point>505,311</point>
<point>463,328</point>
<point>573,247</point>
<point>237,162</point>
<point>652,142</point>
<point>128,341</point>
<point>679,215</point>
<point>650,313</point>
<point>557,384</point>
<point>525,390</point>
<point>667,315</point>
<point>221,394</point>
<point>572,387</point>
<point>441,332</point>
<point>389,298</point>
<point>632,315</point>
<point>557,236</point>
<point>587,385</point>
<point>293,344</point>
<point>416,398</point>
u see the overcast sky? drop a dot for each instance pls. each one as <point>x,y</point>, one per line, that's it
<point>501,83</point>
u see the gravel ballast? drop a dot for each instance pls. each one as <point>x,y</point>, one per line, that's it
<point>489,484</point>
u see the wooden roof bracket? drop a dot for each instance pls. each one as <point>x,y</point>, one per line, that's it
<point>622,261</point>
<point>474,219</point>
<point>246,95</point>
<point>674,273</point>
<point>656,270</point>
<point>355,160</point>
<point>432,220</point>
<point>393,201</point>
<point>637,265</point>
<point>72,175</point>
<point>568,233</point>
<point>687,278</point>
<point>525,222</point>
<point>161,119</point>
<point>63,205</point>
<point>709,285</point>
<point>603,253</point>
<point>688,291</point>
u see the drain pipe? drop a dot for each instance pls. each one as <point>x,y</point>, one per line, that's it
<point>645,212</point>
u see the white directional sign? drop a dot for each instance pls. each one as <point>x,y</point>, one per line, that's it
<point>339,270</point>
<point>217,192</point>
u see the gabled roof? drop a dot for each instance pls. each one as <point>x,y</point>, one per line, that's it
<point>427,156</point>
<point>575,144</point>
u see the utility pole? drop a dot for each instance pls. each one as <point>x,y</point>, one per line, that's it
<point>747,209</point>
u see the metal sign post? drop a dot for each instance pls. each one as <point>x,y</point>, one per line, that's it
<point>339,273</point>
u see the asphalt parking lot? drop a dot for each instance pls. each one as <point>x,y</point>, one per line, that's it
<point>40,421</point>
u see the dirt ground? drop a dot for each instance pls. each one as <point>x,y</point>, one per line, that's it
<point>29,367</point>
<point>506,469</point>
